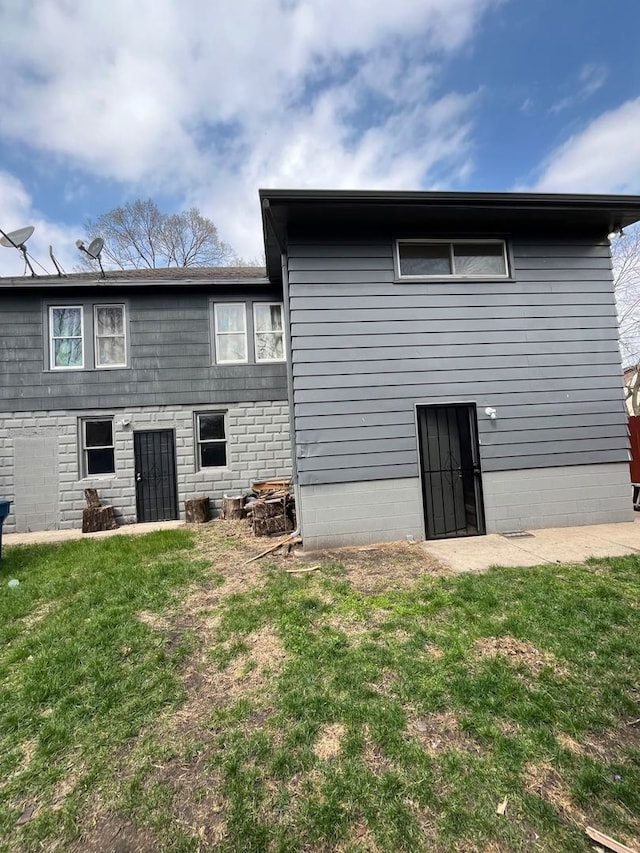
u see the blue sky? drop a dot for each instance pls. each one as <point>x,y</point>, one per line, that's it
<point>200,103</point>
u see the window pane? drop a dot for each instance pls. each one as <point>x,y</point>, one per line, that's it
<point>232,348</point>
<point>270,347</point>
<point>67,322</point>
<point>98,433</point>
<point>211,426</point>
<point>213,455</point>
<point>109,320</point>
<point>230,318</point>
<point>67,352</point>
<point>110,351</point>
<point>100,462</point>
<point>268,318</point>
<point>424,259</point>
<point>479,259</point>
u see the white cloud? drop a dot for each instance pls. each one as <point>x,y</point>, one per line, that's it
<point>592,77</point>
<point>604,157</point>
<point>185,99</point>
<point>18,211</point>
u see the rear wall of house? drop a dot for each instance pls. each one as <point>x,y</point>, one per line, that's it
<point>541,349</point>
<point>171,376</point>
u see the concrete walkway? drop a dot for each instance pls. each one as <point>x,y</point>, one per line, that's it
<point>551,545</point>
<point>52,536</point>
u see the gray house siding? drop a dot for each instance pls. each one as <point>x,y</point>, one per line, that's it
<point>540,347</point>
<point>170,355</point>
<point>171,376</point>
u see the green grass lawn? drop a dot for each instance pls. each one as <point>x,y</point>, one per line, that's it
<point>158,694</point>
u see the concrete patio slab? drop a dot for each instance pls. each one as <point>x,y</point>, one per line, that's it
<point>51,536</point>
<point>550,545</point>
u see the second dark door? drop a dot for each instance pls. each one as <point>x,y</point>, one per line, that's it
<point>450,469</point>
<point>155,466</point>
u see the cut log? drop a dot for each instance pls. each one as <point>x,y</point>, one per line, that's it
<point>96,518</point>
<point>232,507</point>
<point>196,510</point>
<point>91,497</point>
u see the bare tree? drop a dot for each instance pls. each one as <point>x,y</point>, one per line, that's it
<point>139,235</point>
<point>625,253</point>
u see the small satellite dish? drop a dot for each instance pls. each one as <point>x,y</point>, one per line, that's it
<point>95,247</point>
<point>18,238</point>
<point>93,250</point>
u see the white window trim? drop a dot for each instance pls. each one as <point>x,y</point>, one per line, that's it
<point>256,333</point>
<point>84,449</point>
<point>96,348</point>
<point>52,356</point>
<point>216,333</point>
<point>199,442</point>
<point>451,243</point>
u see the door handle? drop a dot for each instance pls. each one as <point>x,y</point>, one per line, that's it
<point>139,477</point>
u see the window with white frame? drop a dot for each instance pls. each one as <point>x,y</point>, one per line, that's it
<point>110,337</point>
<point>211,439</point>
<point>268,331</point>
<point>451,258</point>
<point>98,451</point>
<point>87,336</point>
<point>66,337</point>
<point>230,320</point>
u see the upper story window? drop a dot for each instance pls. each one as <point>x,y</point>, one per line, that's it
<point>248,332</point>
<point>418,259</point>
<point>110,340</point>
<point>269,331</point>
<point>66,329</point>
<point>87,336</point>
<point>230,319</point>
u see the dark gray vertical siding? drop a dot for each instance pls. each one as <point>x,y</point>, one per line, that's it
<point>541,348</point>
<point>169,354</point>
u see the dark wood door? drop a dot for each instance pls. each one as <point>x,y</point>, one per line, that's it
<point>155,464</point>
<point>450,469</point>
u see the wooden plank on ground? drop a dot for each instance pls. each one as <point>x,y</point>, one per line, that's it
<point>607,841</point>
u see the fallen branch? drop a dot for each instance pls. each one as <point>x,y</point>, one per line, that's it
<point>300,571</point>
<point>611,843</point>
<point>634,722</point>
<point>292,539</point>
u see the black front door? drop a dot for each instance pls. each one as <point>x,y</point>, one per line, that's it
<point>155,464</point>
<point>450,468</point>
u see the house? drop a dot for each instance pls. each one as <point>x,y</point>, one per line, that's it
<point>454,365</point>
<point>150,386</point>
<point>452,368</point>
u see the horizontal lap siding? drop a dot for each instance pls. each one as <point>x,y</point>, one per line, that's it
<point>169,356</point>
<point>541,348</point>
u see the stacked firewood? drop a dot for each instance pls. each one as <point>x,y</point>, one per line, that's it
<point>270,507</point>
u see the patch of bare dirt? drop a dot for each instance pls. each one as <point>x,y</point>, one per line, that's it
<point>117,835</point>
<point>610,745</point>
<point>545,782</point>
<point>518,652</point>
<point>360,839</point>
<point>388,565</point>
<point>38,614</point>
<point>329,742</point>
<point>439,732</point>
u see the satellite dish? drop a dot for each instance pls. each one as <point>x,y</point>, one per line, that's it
<point>95,247</point>
<point>18,238</point>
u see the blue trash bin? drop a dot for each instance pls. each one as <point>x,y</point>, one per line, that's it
<point>4,512</point>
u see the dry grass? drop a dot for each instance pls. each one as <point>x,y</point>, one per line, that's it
<point>329,742</point>
<point>518,652</point>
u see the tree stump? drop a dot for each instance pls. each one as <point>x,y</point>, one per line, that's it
<point>96,518</point>
<point>197,510</point>
<point>232,507</point>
